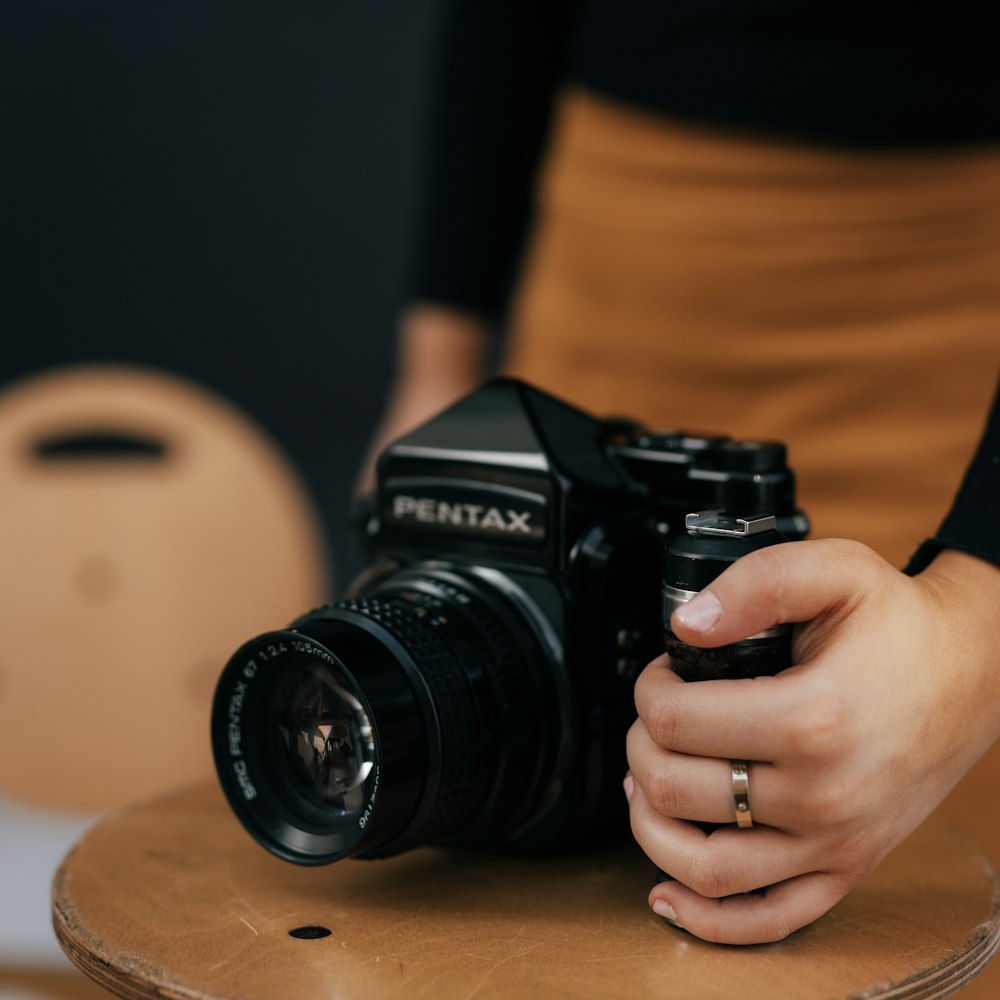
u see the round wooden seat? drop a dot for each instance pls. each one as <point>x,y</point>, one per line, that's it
<point>173,899</point>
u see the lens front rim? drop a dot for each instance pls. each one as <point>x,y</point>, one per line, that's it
<point>271,808</point>
<point>336,624</point>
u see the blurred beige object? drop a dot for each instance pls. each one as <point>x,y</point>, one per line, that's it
<point>147,529</point>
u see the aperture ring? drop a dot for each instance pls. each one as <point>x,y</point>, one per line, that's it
<point>519,701</point>
<point>450,693</point>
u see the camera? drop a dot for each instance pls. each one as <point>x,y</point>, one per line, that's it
<point>474,686</point>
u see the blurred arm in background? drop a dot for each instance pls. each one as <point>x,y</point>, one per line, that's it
<point>497,68</point>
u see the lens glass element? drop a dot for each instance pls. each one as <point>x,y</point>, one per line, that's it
<point>327,737</point>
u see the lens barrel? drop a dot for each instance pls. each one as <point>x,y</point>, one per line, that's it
<point>423,712</point>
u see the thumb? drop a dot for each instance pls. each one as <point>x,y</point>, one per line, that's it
<point>789,582</point>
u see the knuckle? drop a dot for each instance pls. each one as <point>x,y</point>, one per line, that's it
<point>768,563</point>
<point>775,927</point>
<point>866,565</point>
<point>714,929</point>
<point>851,856</point>
<point>664,722</point>
<point>635,744</point>
<point>858,553</point>
<point>649,684</point>
<point>818,728</point>
<point>709,878</point>
<point>767,571</point>
<point>665,794</point>
<point>829,803</point>
<point>643,689</point>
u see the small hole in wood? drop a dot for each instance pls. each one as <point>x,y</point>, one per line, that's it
<point>309,933</point>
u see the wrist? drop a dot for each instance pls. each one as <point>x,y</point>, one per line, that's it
<point>966,594</point>
<point>963,577</point>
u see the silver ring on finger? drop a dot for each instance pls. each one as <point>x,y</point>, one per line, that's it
<point>741,794</point>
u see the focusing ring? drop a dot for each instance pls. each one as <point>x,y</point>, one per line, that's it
<point>411,622</point>
<point>518,700</point>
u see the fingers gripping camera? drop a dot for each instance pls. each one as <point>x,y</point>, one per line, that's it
<point>474,686</point>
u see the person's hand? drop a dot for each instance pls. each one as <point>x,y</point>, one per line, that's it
<point>893,696</point>
<point>441,355</point>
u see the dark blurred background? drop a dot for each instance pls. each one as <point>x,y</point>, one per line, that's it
<point>224,190</point>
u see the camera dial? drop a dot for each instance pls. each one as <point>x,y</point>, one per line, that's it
<point>692,560</point>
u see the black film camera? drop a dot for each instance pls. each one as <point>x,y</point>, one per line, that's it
<point>475,685</point>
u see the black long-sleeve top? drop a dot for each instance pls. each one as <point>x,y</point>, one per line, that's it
<point>873,74</point>
<point>973,523</point>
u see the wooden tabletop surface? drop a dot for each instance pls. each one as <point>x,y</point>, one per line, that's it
<point>172,899</point>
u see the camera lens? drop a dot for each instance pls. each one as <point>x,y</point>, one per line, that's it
<point>326,736</point>
<point>427,711</point>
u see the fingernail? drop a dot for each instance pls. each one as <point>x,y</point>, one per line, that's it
<point>663,909</point>
<point>700,613</point>
<point>629,785</point>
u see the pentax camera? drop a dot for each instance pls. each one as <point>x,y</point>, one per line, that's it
<point>474,686</point>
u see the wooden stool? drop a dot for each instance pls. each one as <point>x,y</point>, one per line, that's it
<point>173,899</point>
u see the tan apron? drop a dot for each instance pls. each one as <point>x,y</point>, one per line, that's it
<point>847,303</point>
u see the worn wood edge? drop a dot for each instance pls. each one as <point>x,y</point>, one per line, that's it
<point>952,974</point>
<point>128,977</point>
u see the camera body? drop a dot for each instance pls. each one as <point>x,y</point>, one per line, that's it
<point>484,661</point>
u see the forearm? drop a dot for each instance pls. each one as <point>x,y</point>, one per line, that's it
<point>441,349</point>
<point>441,354</point>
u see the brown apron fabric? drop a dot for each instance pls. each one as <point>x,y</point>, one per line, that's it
<point>847,303</point>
